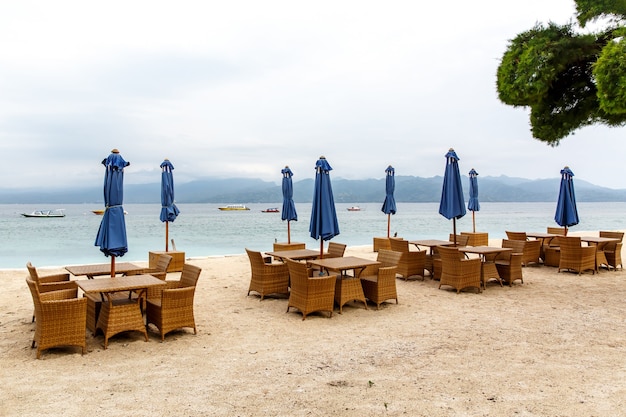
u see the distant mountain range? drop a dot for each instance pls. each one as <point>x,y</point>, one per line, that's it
<point>248,190</point>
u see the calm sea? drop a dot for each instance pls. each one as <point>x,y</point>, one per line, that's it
<point>202,230</point>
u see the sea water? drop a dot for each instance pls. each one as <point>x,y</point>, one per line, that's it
<point>203,230</point>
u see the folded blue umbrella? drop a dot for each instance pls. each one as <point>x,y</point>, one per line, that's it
<point>566,214</point>
<point>324,224</point>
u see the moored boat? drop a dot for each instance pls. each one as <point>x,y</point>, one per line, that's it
<point>354,208</point>
<point>271,210</point>
<point>234,207</point>
<point>45,213</point>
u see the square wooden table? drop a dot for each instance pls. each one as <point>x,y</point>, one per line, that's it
<point>95,270</point>
<point>487,254</point>
<point>295,254</point>
<point>347,288</point>
<point>118,314</point>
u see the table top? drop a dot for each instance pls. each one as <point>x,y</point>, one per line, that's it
<point>295,254</point>
<point>103,269</point>
<point>483,250</point>
<point>431,242</point>
<point>127,283</point>
<point>595,239</point>
<point>343,263</point>
<point>541,235</point>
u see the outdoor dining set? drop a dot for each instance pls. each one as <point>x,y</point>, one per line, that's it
<point>318,281</point>
<point>131,300</point>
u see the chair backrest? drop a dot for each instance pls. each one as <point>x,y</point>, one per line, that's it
<point>189,276</point>
<point>32,271</point>
<point>297,271</point>
<point>388,257</point>
<point>256,259</point>
<point>556,230</point>
<point>614,235</point>
<point>163,262</point>
<point>449,254</point>
<point>461,240</point>
<point>516,245</point>
<point>399,245</point>
<point>516,235</point>
<point>569,243</point>
<point>336,250</point>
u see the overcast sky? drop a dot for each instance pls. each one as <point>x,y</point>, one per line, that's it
<point>243,88</point>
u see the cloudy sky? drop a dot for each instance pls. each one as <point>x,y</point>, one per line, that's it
<point>243,88</point>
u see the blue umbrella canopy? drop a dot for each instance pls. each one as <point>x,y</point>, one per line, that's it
<point>112,232</point>
<point>473,205</point>
<point>452,205</point>
<point>289,208</point>
<point>169,211</point>
<point>566,212</point>
<point>324,223</point>
<point>389,205</point>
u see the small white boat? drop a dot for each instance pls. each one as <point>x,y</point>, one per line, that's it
<point>45,213</point>
<point>354,208</point>
<point>271,210</point>
<point>234,207</point>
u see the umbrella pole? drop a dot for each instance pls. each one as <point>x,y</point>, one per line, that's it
<point>454,229</point>
<point>167,233</point>
<point>112,266</point>
<point>321,248</point>
<point>474,221</point>
<point>288,231</point>
<point>388,224</point>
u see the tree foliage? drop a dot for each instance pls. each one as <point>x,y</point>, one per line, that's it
<point>568,79</point>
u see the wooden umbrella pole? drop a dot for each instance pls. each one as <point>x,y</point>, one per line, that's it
<point>288,231</point>
<point>388,224</point>
<point>112,266</point>
<point>474,221</point>
<point>321,248</point>
<point>167,233</point>
<point>454,229</point>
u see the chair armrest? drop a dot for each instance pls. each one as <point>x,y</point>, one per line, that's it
<point>56,286</point>
<point>54,278</point>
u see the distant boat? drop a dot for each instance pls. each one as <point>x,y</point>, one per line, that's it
<point>354,208</point>
<point>45,213</point>
<point>271,210</point>
<point>101,212</point>
<point>234,207</point>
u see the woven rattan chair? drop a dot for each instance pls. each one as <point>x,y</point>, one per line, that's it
<point>159,271</point>
<point>532,248</point>
<point>411,263</point>
<point>574,256</point>
<point>335,250</point>
<point>458,272</point>
<point>174,309</point>
<point>52,282</point>
<point>509,264</point>
<point>267,278</point>
<point>461,240</point>
<point>556,230</point>
<point>310,294</point>
<point>379,281</point>
<point>516,235</point>
<point>613,250</point>
<point>60,319</point>
<point>550,250</point>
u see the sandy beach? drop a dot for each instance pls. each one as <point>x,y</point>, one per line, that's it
<point>553,346</point>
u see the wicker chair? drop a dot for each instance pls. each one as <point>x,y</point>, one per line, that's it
<point>310,294</point>
<point>461,240</point>
<point>509,264</point>
<point>412,263</point>
<point>516,235</point>
<point>335,250</point>
<point>60,319</point>
<point>576,257</point>
<point>550,250</point>
<point>52,282</point>
<point>613,250</point>
<point>532,248</point>
<point>160,272</point>
<point>174,309</point>
<point>379,282</point>
<point>267,278</point>
<point>556,230</point>
<point>457,271</point>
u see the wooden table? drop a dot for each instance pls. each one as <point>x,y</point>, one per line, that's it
<point>117,314</point>
<point>487,254</point>
<point>295,254</point>
<point>600,243</point>
<point>347,288</point>
<point>94,270</point>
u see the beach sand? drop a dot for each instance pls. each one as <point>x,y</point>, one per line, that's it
<point>554,346</point>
